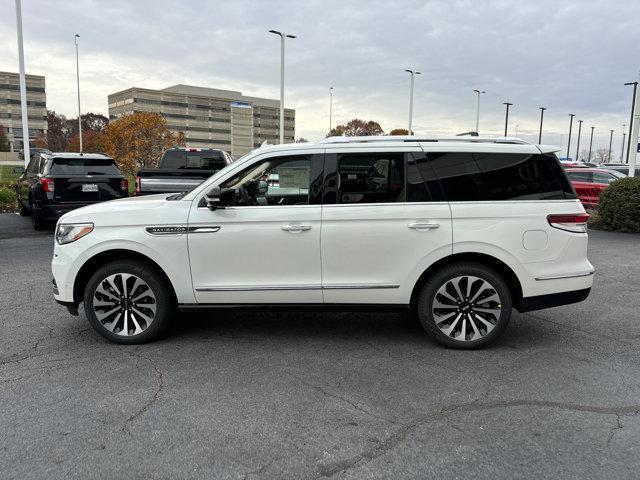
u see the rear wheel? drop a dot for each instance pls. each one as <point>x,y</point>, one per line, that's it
<point>128,302</point>
<point>38,220</point>
<point>465,306</point>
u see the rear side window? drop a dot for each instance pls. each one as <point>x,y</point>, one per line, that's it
<point>370,177</point>
<point>83,166</point>
<point>499,176</point>
<point>180,159</point>
<point>580,176</point>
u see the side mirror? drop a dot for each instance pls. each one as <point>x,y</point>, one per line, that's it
<point>18,170</point>
<point>220,197</point>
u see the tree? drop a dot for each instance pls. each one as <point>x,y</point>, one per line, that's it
<point>137,141</point>
<point>92,142</point>
<point>357,128</point>
<point>399,131</point>
<point>302,140</point>
<point>4,145</point>
<point>57,133</point>
<point>600,156</point>
<point>95,122</point>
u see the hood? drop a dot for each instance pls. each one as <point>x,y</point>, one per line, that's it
<point>129,207</point>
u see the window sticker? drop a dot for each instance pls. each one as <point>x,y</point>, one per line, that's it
<point>293,177</point>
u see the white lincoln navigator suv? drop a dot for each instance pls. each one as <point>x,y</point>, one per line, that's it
<point>459,230</point>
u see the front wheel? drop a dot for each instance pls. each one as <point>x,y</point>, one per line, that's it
<point>128,302</point>
<point>465,306</point>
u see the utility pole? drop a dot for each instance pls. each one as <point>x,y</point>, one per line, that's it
<point>506,117</point>
<point>23,88</point>
<point>591,143</point>
<point>542,109</point>
<point>282,38</point>
<point>579,134</point>
<point>413,73</point>
<point>631,122</point>
<point>478,93</point>
<point>624,134</point>
<point>610,142</point>
<point>330,108</point>
<point>571,115</point>
<point>75,39</point>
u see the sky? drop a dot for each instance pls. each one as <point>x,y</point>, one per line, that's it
<point>572,56</point>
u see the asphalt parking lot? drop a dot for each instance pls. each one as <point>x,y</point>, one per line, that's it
<point>318,395</point>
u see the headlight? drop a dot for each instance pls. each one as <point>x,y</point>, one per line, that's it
<point>70,232</point>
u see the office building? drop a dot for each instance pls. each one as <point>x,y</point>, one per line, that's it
<point>209,117</point>
<point>10,112</point>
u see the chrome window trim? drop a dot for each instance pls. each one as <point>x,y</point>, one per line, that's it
<point>261,288</point>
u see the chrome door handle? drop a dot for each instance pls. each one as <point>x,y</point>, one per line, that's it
<point>296,228</point>
<point>423,225</point>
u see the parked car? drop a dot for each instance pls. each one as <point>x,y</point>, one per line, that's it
<point>458,230</point>
<point>572,164</point>
<point>181,170</point>
<point>621,167</point>
<point>56,183</point>
<point>590,182</point>
<point>33,152</point>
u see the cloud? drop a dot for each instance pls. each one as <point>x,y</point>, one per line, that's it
<point>572,57</point>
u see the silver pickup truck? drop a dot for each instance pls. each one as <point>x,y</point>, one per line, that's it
<point>181,170</point>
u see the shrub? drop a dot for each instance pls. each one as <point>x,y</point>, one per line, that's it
<point>620,205</point>
<point>7,195</point>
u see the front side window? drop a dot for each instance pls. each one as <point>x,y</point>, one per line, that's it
<point>481,176</point>
<point>586,177</point>
<point>276,181</point>
<point>604,178</point>
<point>371,178</point>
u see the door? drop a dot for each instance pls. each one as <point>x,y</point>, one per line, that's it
<point>601,180</point>
<point>265,248</point>
<point>382,225</point>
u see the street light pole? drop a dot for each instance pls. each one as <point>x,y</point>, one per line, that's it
<point>579,135</point>
<point>610,142</point>
<point>478,93</point>
<point>413,73</point>
<point>23,88</point>
<point>542,109</point>
<point>624,134</point>
<point>282,37</point>
<point>506,117</point>
<point>569,139</point>
<point>591,143</point>
<point>75,39</point>
<point>330,107</point>
<point>633,112</point>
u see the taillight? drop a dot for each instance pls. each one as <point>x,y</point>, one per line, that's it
<point>124,185</point>
<point>137,185</point>
<point>576,223</point>
<point>47,184</point>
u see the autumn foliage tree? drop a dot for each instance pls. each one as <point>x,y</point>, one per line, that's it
<point>137,141</point>
<point>92,142</point>
<point>399,131</point>
<point>357,128</point>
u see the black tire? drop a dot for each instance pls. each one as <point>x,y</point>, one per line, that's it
<point>160,290</point>
<point>24,211</point>
<point>38,220</point>
<point>496,310</point>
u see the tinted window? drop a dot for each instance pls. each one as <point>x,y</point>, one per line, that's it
<point>499,176</point>
<point>422,186</point>
<point>371,178</point>
<point>32,167</point>
<point>580,176</point>
<point>82,166</point>
<point>179,159</point>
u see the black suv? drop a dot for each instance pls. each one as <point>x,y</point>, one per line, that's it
<point>55,183</point>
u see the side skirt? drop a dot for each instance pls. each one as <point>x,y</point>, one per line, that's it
<point>349,307</point>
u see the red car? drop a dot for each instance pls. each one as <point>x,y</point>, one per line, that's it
<point>590,182</point>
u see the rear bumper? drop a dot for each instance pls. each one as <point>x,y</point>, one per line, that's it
<point>529,304</point>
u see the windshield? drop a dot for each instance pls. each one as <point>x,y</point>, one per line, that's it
<point>197,160</point>
<point>83,166</point>
<point>617,174</point>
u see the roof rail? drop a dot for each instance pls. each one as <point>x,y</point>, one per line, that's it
<point>417,138</point>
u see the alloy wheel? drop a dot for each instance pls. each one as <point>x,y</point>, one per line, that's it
<point>466,308</point>
<point>124,304</point>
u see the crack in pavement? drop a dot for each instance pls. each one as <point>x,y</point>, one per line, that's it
<point>612,432</point>
<point>331,469</point>
<point>346,400</point>
<point>153,398</point>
